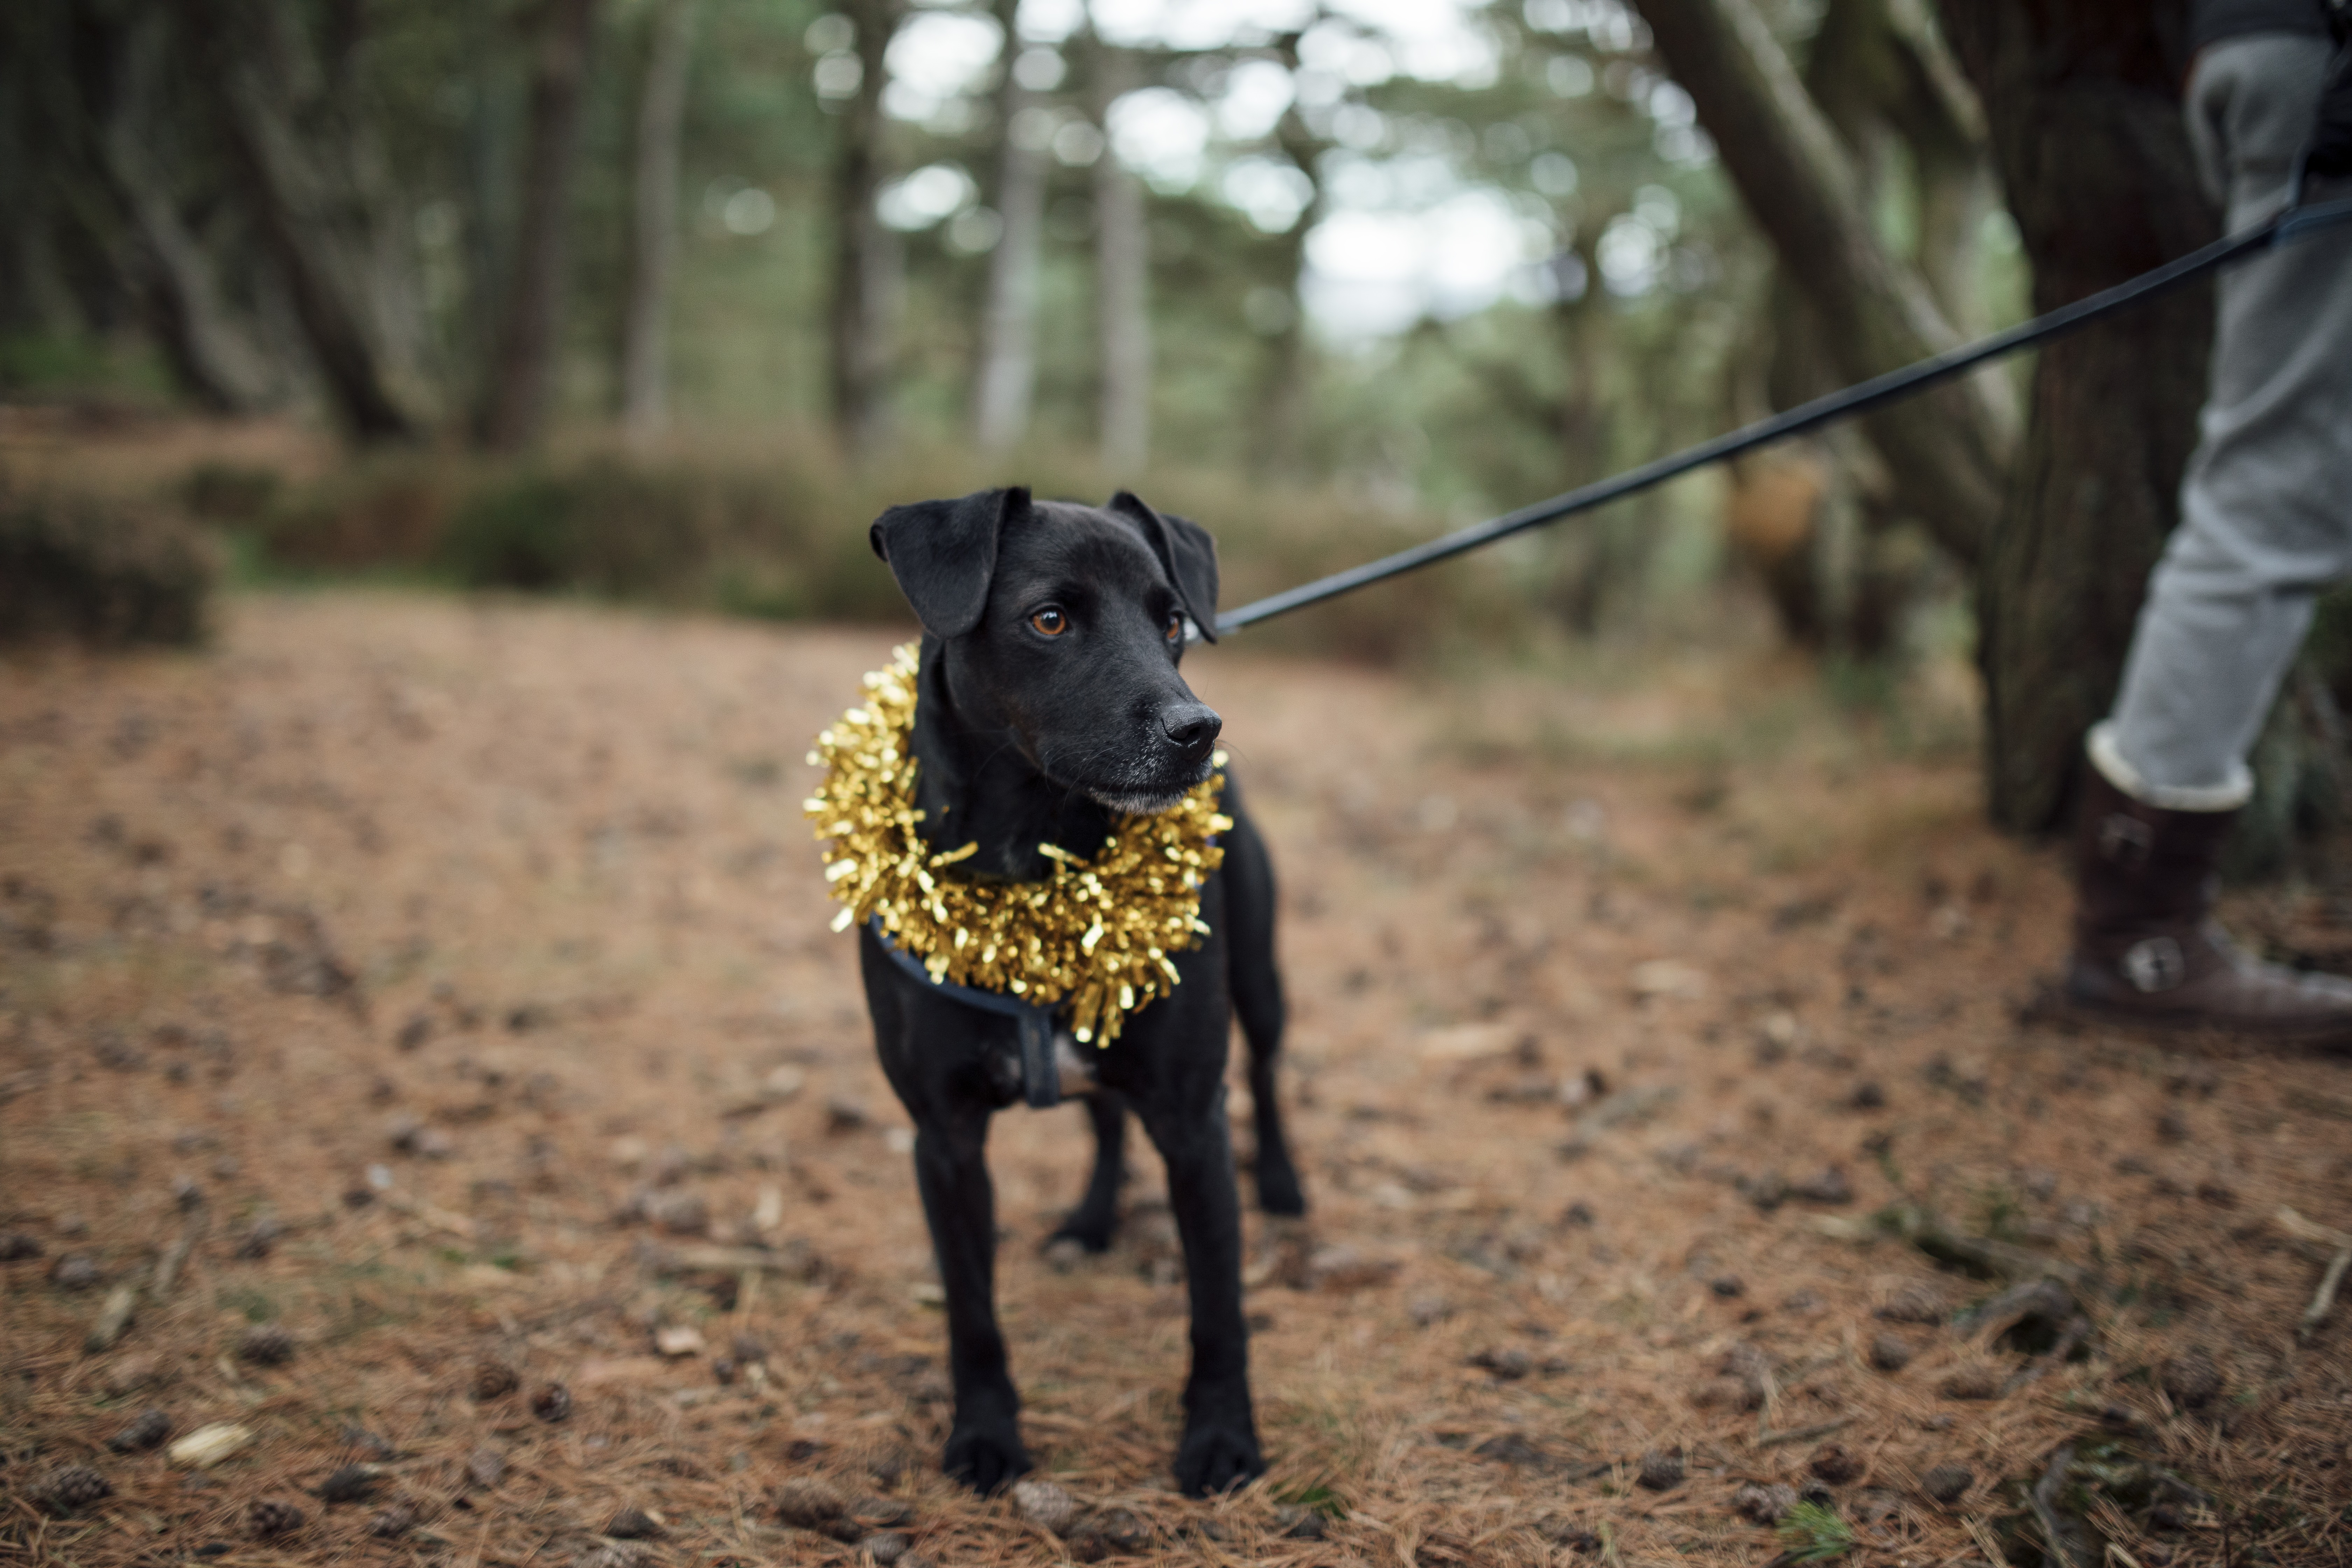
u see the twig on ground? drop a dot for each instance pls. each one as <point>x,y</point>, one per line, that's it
<point>1985,1542</point>
<point>176,1257</point>
<point>123,1301</point>
<point>703,1257</point>
<point>2303,1229</point>
<point>2336,1246</point>
<point>2061,1532</point>
<point>430,1214</point>
<point>112,1317</point>
<point>1929,1233</point>
<point>1800,1434</point>
<point>2323,1301</point>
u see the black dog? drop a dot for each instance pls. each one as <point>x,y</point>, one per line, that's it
<point>1049,703</point>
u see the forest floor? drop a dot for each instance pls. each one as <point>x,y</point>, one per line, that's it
<point>455,977</point>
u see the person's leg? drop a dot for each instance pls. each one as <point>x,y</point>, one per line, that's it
<point>2266,503</point>
<point>2266,523</point>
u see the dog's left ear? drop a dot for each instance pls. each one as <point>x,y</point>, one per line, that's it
<point>1186,553</point>
<point>943,553</point>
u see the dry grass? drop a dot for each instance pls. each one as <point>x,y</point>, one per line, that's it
<point>568,842</point>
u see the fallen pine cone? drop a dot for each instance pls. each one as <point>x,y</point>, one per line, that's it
<point>633,1524</point>
<point>1976,1382</point>
<point>1833,1464</point>
<point>352,1483</point>
<point>394,1521</point>
<point>612,1555</point>
<point>147,1430</point>
<point>1112,1531</point>
<point>72,1486</point>
<point>361,1440</point>
<point>1296,1523</point>
<point>553,1403</point>
<point>1043,1504</point>
<point>810,1503</point>
<point>1661,1472</point>
<point>1915,1303</point>
<point>2192,1379</point>
<point>274,1516</point>
<point>266,1344</point>
<point>494,1380</point>
<point>75,1271</point>
<point>1948,1483</point>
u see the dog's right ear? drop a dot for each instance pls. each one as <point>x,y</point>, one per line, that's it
<point>943,553</point>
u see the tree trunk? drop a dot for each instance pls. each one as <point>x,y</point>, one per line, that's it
<point>1279,448</point>
<point>864,252</point>
<point>1942,119</point>
<point>523,368</point>
<point>1008,354</point>
<point>645,331</point>
<point>1884,80</point>
<point>1122,286</point>
<point>210,353</point>
<point>2083,100</point>
<point>295,206</point>
<point>1949,447</point>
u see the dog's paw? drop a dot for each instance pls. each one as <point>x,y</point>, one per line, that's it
<point>1088,1233</point>
<point>986,1458</point>
<point>1217,1456</point>
<point>1278,1191</point>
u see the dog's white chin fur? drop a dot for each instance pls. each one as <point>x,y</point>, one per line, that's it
<point>1137,804</point>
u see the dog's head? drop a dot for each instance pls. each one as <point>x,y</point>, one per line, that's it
<point>1062,626</point>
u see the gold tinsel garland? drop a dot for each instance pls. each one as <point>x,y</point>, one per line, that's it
<point>1094,938</point>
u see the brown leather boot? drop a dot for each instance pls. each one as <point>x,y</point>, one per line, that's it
<point>2146,950</point>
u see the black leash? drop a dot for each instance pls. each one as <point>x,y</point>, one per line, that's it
<point>2289,225</point>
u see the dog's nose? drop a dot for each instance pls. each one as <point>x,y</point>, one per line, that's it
<point>1191,726</point>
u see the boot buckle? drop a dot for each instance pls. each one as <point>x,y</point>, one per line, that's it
<point>2125,839</point>
<point>2155,964</point>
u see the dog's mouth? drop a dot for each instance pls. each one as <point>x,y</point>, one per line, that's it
<point>1138,803</point>
<point>1156,790</point>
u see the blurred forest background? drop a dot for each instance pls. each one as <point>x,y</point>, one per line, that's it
<point>664,299</point>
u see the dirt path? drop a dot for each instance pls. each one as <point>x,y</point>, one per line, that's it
<point>456,970</point>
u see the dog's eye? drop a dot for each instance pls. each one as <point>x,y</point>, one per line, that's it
<point>1050,622</point>
<point>1175,629</point>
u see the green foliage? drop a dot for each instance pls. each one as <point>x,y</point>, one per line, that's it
<point>1813,1533</point>
<point>523,532</point>
<point>100,572</point>
<point>230,493</point>
<point>780,534</point>
<point>1316,1496</point>
<point>80,365</point>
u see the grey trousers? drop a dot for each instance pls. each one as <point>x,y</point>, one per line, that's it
<point>2266,503</point>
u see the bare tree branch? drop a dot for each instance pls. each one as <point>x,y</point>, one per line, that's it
<point>1949,449</point>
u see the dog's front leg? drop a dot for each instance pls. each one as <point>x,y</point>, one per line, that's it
<point>1220,1445</point>
<point>952,1167</point>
